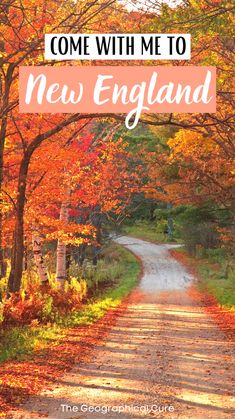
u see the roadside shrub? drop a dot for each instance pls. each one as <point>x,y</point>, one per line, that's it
<point>162,226</point>
<point>101,276</point>
<point>112,256</point>
<point>23,307</point>
<point>199,235</point>
<point>42,304</point>
<point>70,298</point>
<point>217,255</point>
<point>47,302</point>
<point>47,308</point>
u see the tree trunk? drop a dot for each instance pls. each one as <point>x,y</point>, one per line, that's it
<point>15,277</point>
<point>14,281</point>
<point>4,102</point>
<point>81,254</point>
<point>68,259</point>
<point>61,249</point>
<point>25,255</point>
<point>38,257</point>
<point>96,219</point>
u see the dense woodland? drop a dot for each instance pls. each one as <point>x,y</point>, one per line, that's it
<point>68,182</point>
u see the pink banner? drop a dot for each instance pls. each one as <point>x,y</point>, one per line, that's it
<point>114,89</point>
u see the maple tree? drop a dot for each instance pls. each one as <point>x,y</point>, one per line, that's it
<point>94,171</point>
<point>94,179</point>
<point>194,170</point>
<point>193,164</point>
<point>22,27</point>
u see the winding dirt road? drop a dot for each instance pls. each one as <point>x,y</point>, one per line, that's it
<point>164,358</point>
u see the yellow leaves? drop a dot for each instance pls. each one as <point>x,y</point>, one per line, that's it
<point>190,143</point>
<point>34,323</point>
<point>71,233</point>
<point>5,208</point>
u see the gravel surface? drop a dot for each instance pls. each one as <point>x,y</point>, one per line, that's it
<point>161,271</point>
<point>164,358</point>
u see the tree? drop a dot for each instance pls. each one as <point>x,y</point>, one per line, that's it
<point>22,26</point>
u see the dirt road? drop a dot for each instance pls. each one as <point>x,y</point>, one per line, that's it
<point>164,358</point>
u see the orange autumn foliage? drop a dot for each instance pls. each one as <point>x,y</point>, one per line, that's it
<point>195,170</point>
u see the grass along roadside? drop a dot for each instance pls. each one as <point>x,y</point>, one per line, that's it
<point>216,273</point>
<point>147,231</point>
<point>20,341</point>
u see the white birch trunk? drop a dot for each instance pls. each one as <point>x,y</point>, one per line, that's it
<point>61,249</point>
<point>38,257</point>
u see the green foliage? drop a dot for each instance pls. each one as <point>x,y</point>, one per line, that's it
<point>112,297</point>
<point>196,226</point>
<point>201,235</point>
<point>148,231</point>
<point>104,274</point>
<point>217,270</point>
<point>199,225</point>
<point>141,208</point>
<point>19,341</point>
<point>47,308</point>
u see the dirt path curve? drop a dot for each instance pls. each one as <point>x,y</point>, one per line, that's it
<point>164,353</point>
